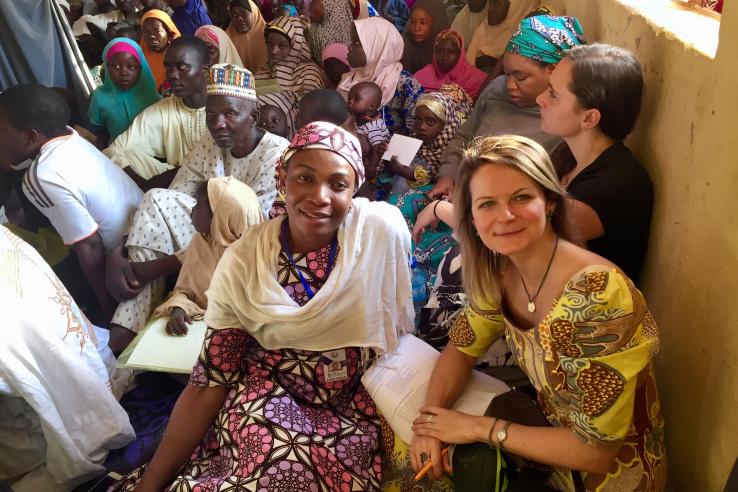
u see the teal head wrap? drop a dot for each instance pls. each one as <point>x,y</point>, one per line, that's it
<point>546,38</point>
<point>114,108</point>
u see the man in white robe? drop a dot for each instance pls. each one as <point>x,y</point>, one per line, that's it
<point>59,388</point>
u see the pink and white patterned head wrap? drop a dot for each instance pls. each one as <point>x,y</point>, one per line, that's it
<point>327,136</point>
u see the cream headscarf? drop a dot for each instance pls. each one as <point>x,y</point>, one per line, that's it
<point>491,40</point>
<point>466,22</point>
<point>383,46</point>
<point>251,45</point>
<point>235,209</point>
<point>218,37</point>
<point>366,300</point>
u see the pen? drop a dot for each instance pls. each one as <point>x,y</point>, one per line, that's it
<point>427,467</point>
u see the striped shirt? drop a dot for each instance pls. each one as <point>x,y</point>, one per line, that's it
<point>374,129</point>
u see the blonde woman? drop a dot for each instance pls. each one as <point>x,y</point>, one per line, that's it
<point>576,323</point>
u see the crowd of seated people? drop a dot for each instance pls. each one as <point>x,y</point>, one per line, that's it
<point>231,167</point>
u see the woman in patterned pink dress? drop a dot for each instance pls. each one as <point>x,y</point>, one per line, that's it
<point>296,309</point>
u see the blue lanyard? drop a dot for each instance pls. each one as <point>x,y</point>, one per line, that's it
<point>331,258</point>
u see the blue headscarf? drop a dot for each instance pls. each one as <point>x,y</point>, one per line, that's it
<point>115,109</point>
<point>546,38</point>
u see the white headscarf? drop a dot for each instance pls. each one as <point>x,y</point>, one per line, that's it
<point>383,46</point>
<point>218,37</point>
<point>366,301</point>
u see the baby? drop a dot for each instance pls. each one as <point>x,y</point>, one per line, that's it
<point>273,120</point>
<point>364,102</point>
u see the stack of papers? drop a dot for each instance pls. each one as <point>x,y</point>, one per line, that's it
<point>398,383</point>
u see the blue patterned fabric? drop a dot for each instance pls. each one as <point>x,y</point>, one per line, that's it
<point>398,13</point>
<point>399,115</point>
<point>546,38</point>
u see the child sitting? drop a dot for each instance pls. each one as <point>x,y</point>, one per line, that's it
<point>128,89</point>
<point>274,120</point>
<point>364,101</point>
<point>157,33</point>
<point>225,209</point>
<point>438,116</point>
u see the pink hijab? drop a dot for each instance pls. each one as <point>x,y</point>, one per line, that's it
<point>463,74</point>
<point>339,51</point>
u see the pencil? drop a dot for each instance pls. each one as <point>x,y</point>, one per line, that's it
<point>427,467</point>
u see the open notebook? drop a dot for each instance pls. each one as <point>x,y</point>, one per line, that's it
<point>398,382</point>
<point>154,350</point>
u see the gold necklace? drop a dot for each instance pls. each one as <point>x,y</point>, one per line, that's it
<point>532,300</point>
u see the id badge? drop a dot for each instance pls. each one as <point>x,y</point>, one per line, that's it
<point>334,365</point>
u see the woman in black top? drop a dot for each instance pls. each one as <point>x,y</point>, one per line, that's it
<point>593,101</point>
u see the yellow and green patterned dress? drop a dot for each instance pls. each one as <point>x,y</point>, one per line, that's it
<point>590,361</point>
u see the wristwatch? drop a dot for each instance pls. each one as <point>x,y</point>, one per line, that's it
<point>502,435</point>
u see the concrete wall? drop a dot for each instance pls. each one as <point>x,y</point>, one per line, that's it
<point>687,137</point>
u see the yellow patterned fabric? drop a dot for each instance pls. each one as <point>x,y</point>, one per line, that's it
<point>421,177</point>
<point>590,361</point>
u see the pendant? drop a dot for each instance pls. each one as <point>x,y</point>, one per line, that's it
<point>531,306</point>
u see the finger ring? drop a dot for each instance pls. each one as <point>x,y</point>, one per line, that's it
<point>429,419</point>
<point>423,457</point>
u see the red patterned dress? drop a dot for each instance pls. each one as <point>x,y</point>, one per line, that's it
<point>283,425</point>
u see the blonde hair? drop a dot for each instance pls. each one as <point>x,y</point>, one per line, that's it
<point>481,266</point>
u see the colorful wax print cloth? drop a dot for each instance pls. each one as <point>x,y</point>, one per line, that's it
<point>590,362</point>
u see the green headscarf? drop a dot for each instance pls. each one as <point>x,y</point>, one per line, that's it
<point>113,108</point>
<point>546,38</point>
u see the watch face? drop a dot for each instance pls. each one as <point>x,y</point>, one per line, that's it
<point>501,435</point>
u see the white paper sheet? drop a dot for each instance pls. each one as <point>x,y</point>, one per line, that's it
<point>154,350</point>
<point>403,147</point>
<point>398,383</point>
